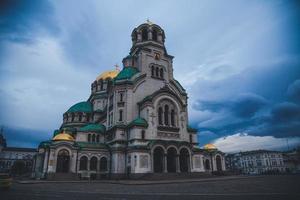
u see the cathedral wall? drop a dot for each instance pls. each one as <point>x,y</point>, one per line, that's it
<point>118,163</point>
<point>140,162</point>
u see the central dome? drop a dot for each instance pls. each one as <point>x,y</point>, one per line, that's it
<point>108,74</point>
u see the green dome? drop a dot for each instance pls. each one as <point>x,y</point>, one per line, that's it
<point>84,106</point>
<point>139,122</point>
<point>56,132</point>
<point>127,73</point>
<point>99,128</point>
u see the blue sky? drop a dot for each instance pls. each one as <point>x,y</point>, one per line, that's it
<point>238,60</point>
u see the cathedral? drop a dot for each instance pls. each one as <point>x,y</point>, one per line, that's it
<point>135,122</point>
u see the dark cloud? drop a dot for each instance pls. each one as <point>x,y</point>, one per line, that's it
<point>285,112</point>
<point>23,137</point>
<point>21,20</point>
<point>243,106</point>
<point>294,91</point>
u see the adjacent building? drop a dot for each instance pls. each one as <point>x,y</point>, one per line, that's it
<point>256,162</point>
<point>134,122</point>
<point>10,156</point>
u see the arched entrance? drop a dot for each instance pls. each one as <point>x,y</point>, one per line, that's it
<point>103,164</point>
<point>207,164</point>
<point>184,159</point>
<point>158,160</point>
<point>63,161</point>
<point>171,159</point>
<point>93,163</point>
<point>219,163</point>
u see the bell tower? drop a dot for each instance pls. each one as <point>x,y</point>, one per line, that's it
<point>148,52</point>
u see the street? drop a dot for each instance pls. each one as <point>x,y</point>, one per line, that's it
<point>281,187</point>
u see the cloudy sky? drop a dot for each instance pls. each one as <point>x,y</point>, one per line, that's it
<point>238,60</point>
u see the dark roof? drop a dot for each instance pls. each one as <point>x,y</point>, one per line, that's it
<point>99,128</point>
<point>19,149</point>
<point>258,151</point>
<point>138,122</point>
<point>84,106</point>
<point>127,73</point>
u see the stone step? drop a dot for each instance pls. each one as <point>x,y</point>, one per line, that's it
<point>62,177</point>
<point>175,176</point>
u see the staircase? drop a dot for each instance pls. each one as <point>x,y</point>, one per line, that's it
<point>175,176</point>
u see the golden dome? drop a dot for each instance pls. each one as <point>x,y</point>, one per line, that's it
<point>63,136</point>
<point>108,74</point>
<point>210,147</point>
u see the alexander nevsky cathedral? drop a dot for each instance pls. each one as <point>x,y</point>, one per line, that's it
<point>134,123</point>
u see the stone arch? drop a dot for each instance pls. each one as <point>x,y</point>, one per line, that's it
<point>103,164</point>
<point>172,159</point>
<point>158,159</point>
<point>83,162</point>
<point>218,162</point>
<point>207,164</point>
<point>93,163</point>
<point>184,159</point>
<point>144,31</point>
<point>63,161</point>
<point>154,34</point>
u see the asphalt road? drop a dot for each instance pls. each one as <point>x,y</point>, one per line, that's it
<point>258,187</point>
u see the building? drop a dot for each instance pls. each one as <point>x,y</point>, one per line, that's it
<point>134,122</point>
<point>291,161</point>
<point>256,162</point>
<point>10,156</point>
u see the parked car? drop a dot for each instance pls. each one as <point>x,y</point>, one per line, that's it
<point>5,181</point>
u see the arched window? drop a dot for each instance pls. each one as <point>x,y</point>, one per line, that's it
<point>93,138</point>
<point>154,35</point>
<point>89,138</point>
<point>191,138</point>
<point>83,163</point>
<point>103,164</point>
<point>72,117</point>
<point>101,84</point>
<point>166,115</point>
<point>120,115</point>
<point>98,138</point>
<point>144,34</point>
<point>80,117</point>
<point>172,117</point>
<point>161,73</point>
<point>93,163</point>
<point>157,72</point>
<point>143,134</point>
<point>87,117</point>
<point>152,71</point>
<point>121,97</point>
<point>134,36</point>
<point>160,113</point>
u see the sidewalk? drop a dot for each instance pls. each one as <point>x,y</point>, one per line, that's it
<point>141,182</point>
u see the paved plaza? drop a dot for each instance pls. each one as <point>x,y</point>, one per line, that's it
<point>255,187</point>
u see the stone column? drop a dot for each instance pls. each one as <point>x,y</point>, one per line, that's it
<point>45,161</point>
<point>165,166</point>
<point>177,163</point>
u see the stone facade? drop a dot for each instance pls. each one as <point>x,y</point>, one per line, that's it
<point>135,121</point>
<point>10,155</point>
<point>256,162</point>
